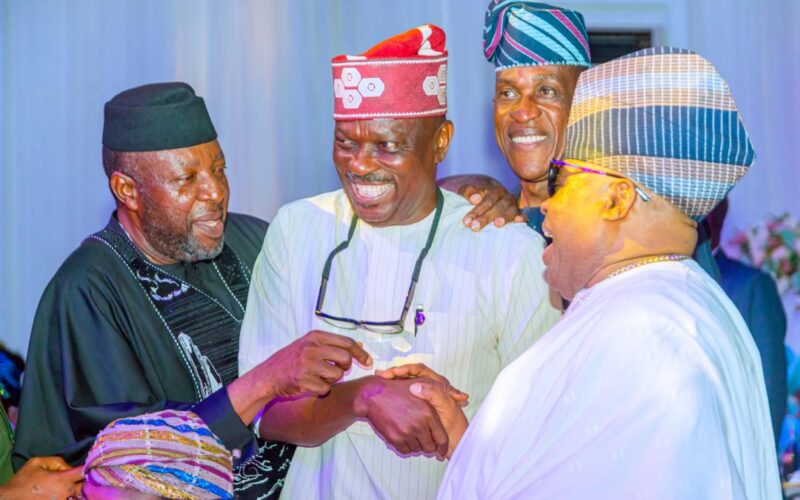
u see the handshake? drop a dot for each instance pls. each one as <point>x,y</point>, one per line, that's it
<point>411,407</point>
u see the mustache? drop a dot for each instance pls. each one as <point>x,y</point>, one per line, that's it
<point>215,210</point>
<point>372,177</point>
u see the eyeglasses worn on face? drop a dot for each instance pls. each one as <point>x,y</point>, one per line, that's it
<point>555,166</point>
<point>385,327</point>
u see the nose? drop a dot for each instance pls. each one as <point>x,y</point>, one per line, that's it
<point>528,110</point>
<point>362,162</point>
<point>214,188</point>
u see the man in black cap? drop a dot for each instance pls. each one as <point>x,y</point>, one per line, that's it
<point>145,314</point>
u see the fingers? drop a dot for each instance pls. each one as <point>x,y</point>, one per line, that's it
<point>417,443</point>
<point>329,373</point>
<point>511,212</point>
<point>354,349</point>
<point>431,440</point>
<point>479,216</point>
<point>433,394</point>
<point>410,370</point>
<point>469,192</point>
<point>361,355</point>
<point>462,398</point>
<point>416,370</point>
<point>49,463</point>
<point>339,357</point>
<point>496,205</point>
<point>74,474</point>
<point>439,436</point>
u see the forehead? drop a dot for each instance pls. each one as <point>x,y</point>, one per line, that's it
<point>208,152</point>
<point>381,128</point>
<point>531,75</point>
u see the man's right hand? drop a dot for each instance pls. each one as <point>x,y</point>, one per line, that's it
<point>312,364</point>
<point>44,477</point>
<point>408,424</point>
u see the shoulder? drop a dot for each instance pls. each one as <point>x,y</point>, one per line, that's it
<point>671,302</point>
<point>308,216</point>
<point>313,206</point>
<point>737,276</point>
<point>515,240</point>
<point>247,224</point>
<point>245,235</point>
<point>733,267</point>
<point>91,270</point>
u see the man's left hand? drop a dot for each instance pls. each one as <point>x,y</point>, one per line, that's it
<point>493,204</point>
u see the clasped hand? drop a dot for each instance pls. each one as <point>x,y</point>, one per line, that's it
<point>415,410</point>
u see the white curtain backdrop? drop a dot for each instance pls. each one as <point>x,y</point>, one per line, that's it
<point>263,69</point>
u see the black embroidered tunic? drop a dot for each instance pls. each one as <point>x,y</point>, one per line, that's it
<point>117,336</point>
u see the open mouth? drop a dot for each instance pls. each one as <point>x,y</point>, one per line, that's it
<point>211,227</point>
<point>528,139</point>
<point>372,191</point>
<point>368,191</point>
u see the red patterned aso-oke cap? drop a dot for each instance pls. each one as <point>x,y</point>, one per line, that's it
<point>402,77</point>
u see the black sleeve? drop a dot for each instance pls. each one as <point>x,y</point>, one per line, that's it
<point>217,412</point>
<point>84,371</point>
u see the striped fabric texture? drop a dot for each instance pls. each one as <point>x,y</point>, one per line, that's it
<point>482,294</point>
<point>665,118</point>
<point>531,34</point>
<point>170,454</point>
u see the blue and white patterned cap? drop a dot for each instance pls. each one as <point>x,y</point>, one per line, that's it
<point>665,118</point>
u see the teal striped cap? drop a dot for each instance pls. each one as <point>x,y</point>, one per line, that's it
<point>532,34</point>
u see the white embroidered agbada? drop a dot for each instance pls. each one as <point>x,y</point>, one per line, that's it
<point>484,299</point>
<point>650,386</point>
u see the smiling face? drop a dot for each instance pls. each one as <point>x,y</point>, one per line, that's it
<point>184,202</point>
<point>388,167</point>
<point>531,108</point>
<point>574,221</point>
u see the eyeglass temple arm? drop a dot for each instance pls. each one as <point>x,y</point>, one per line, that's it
<point>326,271</point>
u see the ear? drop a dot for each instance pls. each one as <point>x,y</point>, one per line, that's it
<point>125,190</point>
<point>620,198</point>
<point>443,136</point>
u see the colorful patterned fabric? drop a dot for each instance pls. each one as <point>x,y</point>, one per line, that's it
<point>531,34</point>
<point>665,118</point>
<point>402,77</point>
<point>170,454</point>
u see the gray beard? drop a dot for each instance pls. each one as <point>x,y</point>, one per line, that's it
<point>183,247</point>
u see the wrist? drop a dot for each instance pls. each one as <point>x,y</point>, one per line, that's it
<point>259,384</point>
<point>366,389</point>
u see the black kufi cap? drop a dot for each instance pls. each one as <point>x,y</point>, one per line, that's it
<point>156,117</point>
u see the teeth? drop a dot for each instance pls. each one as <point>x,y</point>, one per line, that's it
<point>528,139</point>
<point>547,234</point>
<point>371,190</point>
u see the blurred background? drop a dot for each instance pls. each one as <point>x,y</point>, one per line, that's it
<point>263,69</point>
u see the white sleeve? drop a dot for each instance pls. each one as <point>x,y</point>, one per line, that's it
<point>269,320</point>
<point>522,299</point>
